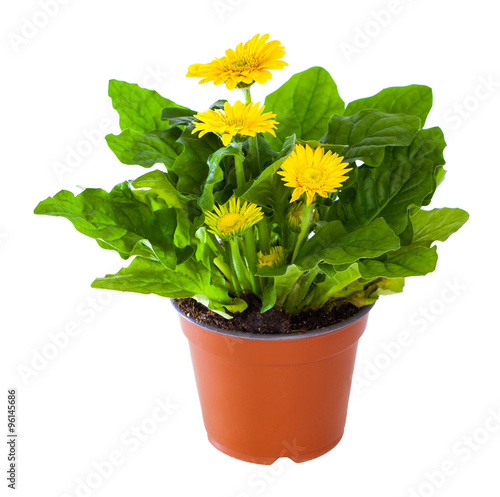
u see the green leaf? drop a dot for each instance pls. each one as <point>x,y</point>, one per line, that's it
<point>191,166</point>
<point>414,100</point>
<point>415,262</point>
<point>265,155</point>
<point>334,245</point>
<point>159,183</point>
<point>178,116</point>
<point>303,106</point>
<point>219,104</point>
<point>118,221</point>
<point>366,134</point>
<point>406,236</point>
<point>215,174</point>
<point>269,296</point>
<point>427,143</point>
<point>222,196</point>
<point>285,281</point>
<point>264,190</point>
<point>436,225</point>
<point>146,149</point>
<point>268,188</point>
<point>139,109</point>
<point>386,191</point>
<point>325,290</point>
<point>439,175</point>
<point>339,149</point>
<point>190,279</point>
<point>270,272</point>
<point>204,252</point>
<point>157,188</point>
<point>361,294</point>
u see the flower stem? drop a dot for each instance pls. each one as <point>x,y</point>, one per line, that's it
<point>254,151</point>
<point>232,270</point>
<point>223,268</point>
<point>264,243</point>
<point>248,96</point>
<point>240,172</point>
<point>304,228</point>
<point>214,244</point>
<point>252,140</point>
<point>251,257</point>
<point>239,265</point>
<point>289,238</point>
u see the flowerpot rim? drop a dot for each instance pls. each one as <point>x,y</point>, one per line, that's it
<point>279,336</point>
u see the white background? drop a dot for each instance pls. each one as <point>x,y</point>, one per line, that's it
<point>410,414</point>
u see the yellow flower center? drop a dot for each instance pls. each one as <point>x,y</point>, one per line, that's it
<point>311,176</point>
<point>269,259</point>
<point>230,222</point>
<point>239,63</point>
<point>236,123</point>
<point>248,62</point>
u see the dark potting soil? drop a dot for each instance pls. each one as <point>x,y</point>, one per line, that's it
<point>272,321</point>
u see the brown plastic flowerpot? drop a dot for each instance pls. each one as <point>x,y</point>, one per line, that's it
<point>270,396</point>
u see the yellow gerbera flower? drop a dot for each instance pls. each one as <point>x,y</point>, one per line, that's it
<point>239,119</point>
<point>275,258</point>
<point>312,172</point>
<point>249,62</point>
<point>294,216</point>
<point>233,218</point>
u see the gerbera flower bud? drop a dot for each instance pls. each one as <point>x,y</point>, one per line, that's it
<point>275,258</point>
<point>294,216</point>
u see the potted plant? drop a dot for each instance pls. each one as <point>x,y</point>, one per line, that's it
<point>274,228</point>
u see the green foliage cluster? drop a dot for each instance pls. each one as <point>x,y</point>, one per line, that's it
<point>365,240</point>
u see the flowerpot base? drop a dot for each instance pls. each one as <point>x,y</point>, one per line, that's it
<point>292,454</point>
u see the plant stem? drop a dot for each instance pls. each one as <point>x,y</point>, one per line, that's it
<point>239,265</point>
<point>232,270</point>
<point>234,277</point>
<point>240,172</point>
<point>254,151</point>
<point>223,268</point>
<point>289,237</point>
<point>214,244</point>
<point>286,236</point>
<point>251,257</point>
<point>252,140</point>
<point>264,243</point>
<point>248,96</point>
<point>304,228</point>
